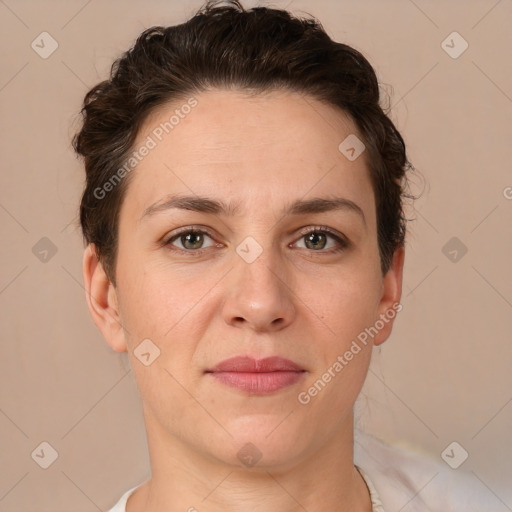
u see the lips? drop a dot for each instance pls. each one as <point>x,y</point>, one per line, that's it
<point>257,376</point>
<point>250,365</point>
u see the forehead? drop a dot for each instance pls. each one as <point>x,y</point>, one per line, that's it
<point>275,144</point>
<point>234,121</point>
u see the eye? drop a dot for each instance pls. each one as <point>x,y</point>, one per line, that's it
<point>317,238</point>
<point>191,240</point>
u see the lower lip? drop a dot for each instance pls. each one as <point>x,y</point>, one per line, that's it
<point>260,383</point>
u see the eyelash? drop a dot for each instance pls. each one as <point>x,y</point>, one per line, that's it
<point>343,244</point>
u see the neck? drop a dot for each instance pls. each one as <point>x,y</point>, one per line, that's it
<point>183,479</point>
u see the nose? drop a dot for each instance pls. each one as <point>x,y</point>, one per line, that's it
<point>259,295</point>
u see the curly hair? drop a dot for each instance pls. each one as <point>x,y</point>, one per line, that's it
<point>229,47</point>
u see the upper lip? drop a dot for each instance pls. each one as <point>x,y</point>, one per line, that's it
<point>248,364</point>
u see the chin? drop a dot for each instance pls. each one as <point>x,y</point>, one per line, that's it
<point>265,444</point>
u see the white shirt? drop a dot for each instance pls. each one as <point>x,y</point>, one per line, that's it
<point>401,480</point>
<point>120,506</point>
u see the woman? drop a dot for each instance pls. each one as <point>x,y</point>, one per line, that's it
<point>245,244</point>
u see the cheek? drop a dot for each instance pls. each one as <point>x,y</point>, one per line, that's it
<point>163,308</point>
<point>350,303</point>
<point>348,308</point>
<point>165,304</point>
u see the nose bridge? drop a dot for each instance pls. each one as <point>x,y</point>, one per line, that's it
<point>265,272</point>
<point>260,269</point>
<point>260,294</point>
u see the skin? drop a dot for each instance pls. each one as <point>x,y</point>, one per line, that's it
<point>299,301</point>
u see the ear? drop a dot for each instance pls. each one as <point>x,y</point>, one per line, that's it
<point>389,305</point>
<point>102,300</point>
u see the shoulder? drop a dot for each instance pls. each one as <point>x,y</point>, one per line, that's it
<point>120,506</point>
<point>408,479</point>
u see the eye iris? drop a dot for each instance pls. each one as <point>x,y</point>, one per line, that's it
<point>313,237</point>
<point>193,239</point>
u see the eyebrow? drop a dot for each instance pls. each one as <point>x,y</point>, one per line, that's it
<point>217,207</point>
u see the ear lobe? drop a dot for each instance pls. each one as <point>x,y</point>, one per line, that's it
<point>102,300</point>
<point>389,305</point>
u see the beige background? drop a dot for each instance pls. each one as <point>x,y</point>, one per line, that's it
<point>445,375</point>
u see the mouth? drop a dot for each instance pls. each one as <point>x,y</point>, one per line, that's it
<point>257,376</point>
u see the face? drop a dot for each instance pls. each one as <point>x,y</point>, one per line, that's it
<point>282,261</point>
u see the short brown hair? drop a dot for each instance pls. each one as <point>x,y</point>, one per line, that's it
<point>226,46</point>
